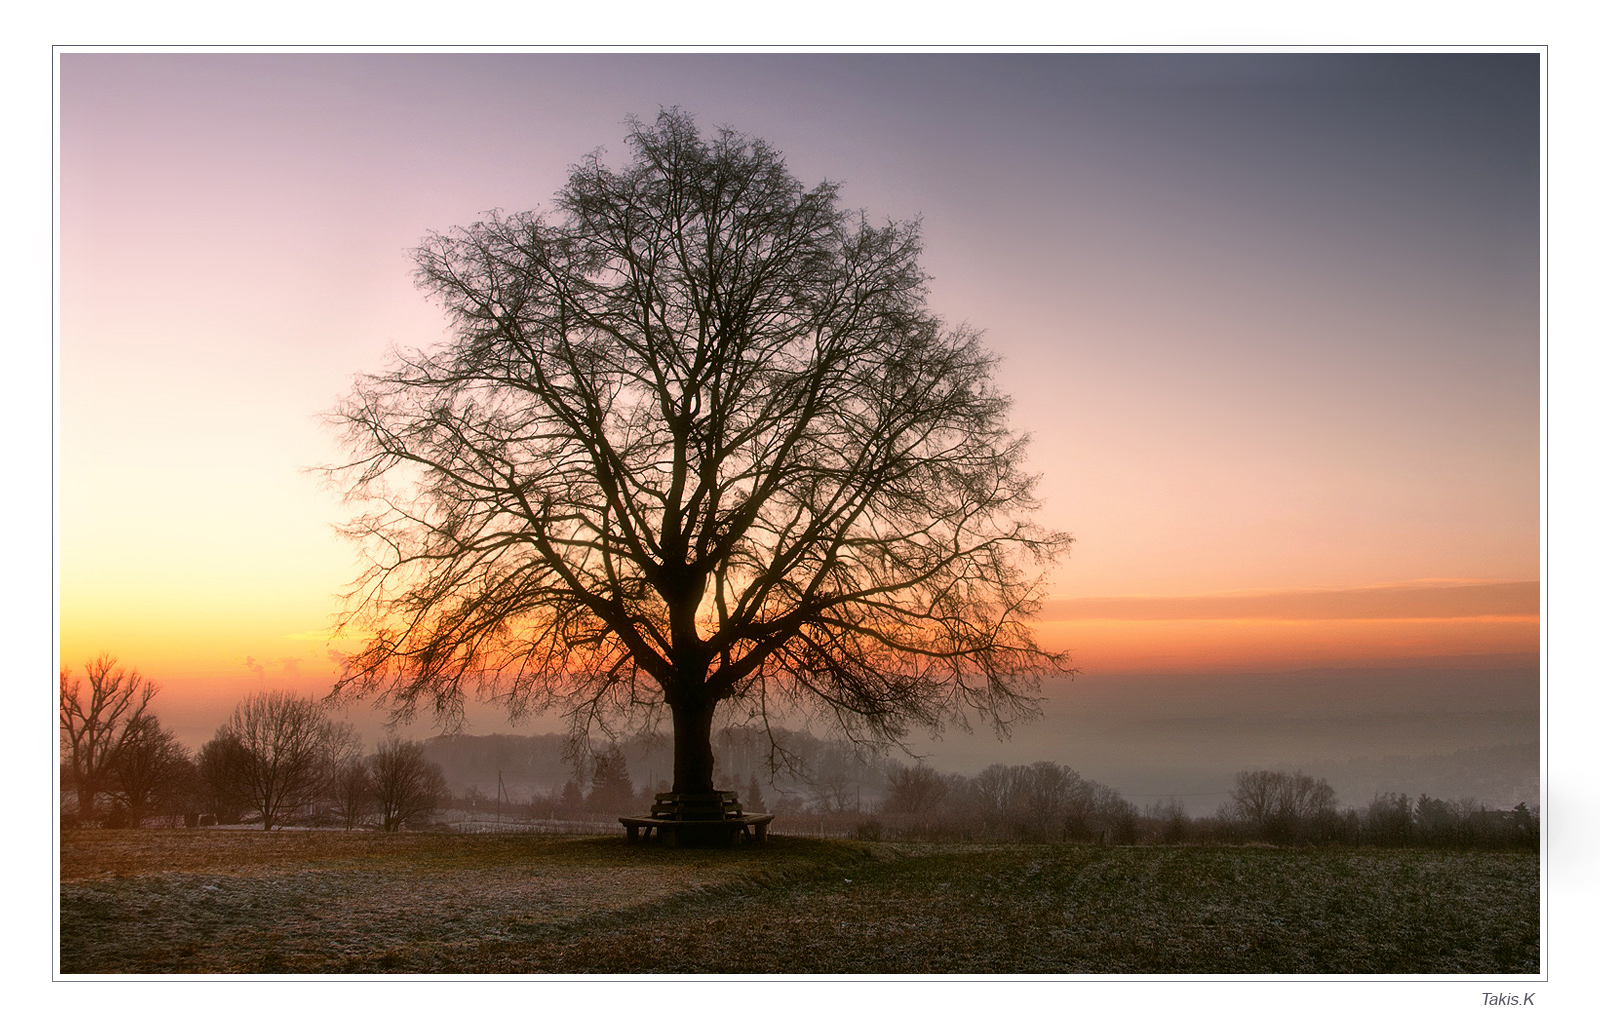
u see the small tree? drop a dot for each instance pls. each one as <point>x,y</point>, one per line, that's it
<point>1172,821</point>
<point>1112,817</point>
<point>914,790</point>
<point>149,768</point>
<point>611,788</point>
<point>351,789</point>
<point>1525,824</point>
<point>570,804</point>
<point>93,723</point>
<point>274,754</point>
<point>1389,819</point>
<point>406,784</point>
<point>754,800</point>
<point>221,767</point>
<point>1254,797</point>
<point>698,442</point>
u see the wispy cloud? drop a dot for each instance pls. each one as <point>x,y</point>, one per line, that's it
<point>1412,600</point>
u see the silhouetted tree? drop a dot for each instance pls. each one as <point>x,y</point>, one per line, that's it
<point>1052,798</point>
<point>997,790</point>
<point>94,722</point>
<point>914,790</point>
<point>349,781</point>
<point>1525,824</point>
<point>149,768</point>
<point>221,765</point>
<point>753,800</point>
<point>1388,819</point>
<point>1282,806</point>
<point>1438,821</point>
<point>273,754</point>
<point>1172,820</point>
<point>611,788</point>
<point>182,800</point>
<point>1112,818</point>
<point>697,442</point>
<point>406,784</point>
<point>834,789</point>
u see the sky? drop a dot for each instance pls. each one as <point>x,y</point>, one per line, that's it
<point>1271,321</point>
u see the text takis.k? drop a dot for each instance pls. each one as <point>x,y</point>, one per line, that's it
<point>1507,999</point>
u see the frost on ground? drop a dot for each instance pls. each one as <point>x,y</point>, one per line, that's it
<point>319,902</point>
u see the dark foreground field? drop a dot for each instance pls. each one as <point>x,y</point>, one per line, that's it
<point>215,901</point>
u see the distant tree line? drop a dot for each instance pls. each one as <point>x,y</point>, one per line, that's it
<point>1048,802</point>
<point>1042,801</point>
<point>1292,808</point>
<point>279,759</point>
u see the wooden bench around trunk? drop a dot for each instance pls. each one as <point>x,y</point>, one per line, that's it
<point>639,828</point>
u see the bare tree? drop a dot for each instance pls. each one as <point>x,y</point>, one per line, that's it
<point>834,789</point>
<point>274,753</point>
<point>405,782</point>
<point>1050,794</point>
<point>93,723</point>
<point>1111,817</point>
<point>349,780</point>
<point>1254,796</point>
<point>999,790</point>
<point>698,442</point>
<point>1281,805</point>
<point>222,766</point>
<point>148,769</point>
<point>914,790</point>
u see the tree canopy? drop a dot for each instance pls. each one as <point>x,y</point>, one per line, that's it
<point>696,441</point>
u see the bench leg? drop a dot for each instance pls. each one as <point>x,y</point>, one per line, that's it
<point>633,834</point>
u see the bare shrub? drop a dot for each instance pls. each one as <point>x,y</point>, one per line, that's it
<point>406,784</point>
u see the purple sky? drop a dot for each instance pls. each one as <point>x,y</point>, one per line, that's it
<point>1272,321</point>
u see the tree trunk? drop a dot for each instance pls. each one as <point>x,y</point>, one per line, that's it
<point>692,760</point>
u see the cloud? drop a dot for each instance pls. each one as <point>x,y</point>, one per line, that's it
<point>1417,600</point>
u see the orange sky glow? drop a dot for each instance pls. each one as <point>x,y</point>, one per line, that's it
<point>1272,325</point>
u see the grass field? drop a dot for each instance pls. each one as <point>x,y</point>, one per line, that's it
<point>216,901</point>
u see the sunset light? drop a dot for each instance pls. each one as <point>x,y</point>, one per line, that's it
<point>720,516</point>
<point>1271,322</point>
